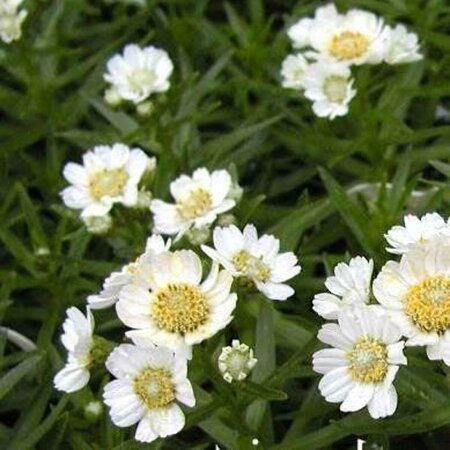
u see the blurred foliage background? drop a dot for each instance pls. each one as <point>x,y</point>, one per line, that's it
<point>326,189</point>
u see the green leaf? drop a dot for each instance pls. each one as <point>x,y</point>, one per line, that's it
<point>262,391</point>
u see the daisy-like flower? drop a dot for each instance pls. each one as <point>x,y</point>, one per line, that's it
<point>198,201</point>
<point>108,175</point>
<point>11,20</point>
<point>138,73</point>
<point>360,368</point>
<point>78,339</point>
<point>416,231</point>
<point>293,71</point>
<point>352,38</point>
<point>168,304</point>
<point>401,46</point>
<point>350,285</point>
<point>236,361</point>
<point>112,286</point>
<point>149,385</point>
<point>243,254</point>
<point>330,87</point>
<point>416,294</point>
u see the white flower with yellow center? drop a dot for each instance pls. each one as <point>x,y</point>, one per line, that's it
<point>330,87</point>
<point>79,341</point>
<point>360,368</point>
<point>416,294</point>
<point>149,385</point>
<point>401,46</point>
<point>236,361</point>
<point>352,38</point>
<point>243,254</point>
<point>415,232</point>
<point>350,285</point>
<point>11,20</point>
<point>198,201</point>
<point>112,286</point>
<point>138,73</point>
<point>293,70</point>
<point>169,305</point>
<point>108,175</point>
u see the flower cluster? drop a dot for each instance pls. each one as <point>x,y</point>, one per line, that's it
<point>11,19</point>
<point>330,43</point>
<point>408,304</point>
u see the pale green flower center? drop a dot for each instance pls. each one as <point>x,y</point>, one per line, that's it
<point>335,89</point>
<point>195,204</point>
<point>368,361</point>
<point>107,183</point>
<point>348,45</point>
<point>155,387</point>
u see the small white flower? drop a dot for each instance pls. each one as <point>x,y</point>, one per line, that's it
<point>353,38</point>
<point>117,280</point>
<point>401,46</point>
<point>417,231</point>
<point>168,304</point>
<point>360,368</point>
<point>139,72</point>
<point>416,295</point>
<point>350,285</point>
<point>243,254</point>
<point>149,385</point>
<point>11,20</point>
<point>78,340</point>
<point>108,175</point>
<point>98,224</point>
<point>330,87</point>
<point>293,71</point>
<point>198,201</point>
<point>236,361</point>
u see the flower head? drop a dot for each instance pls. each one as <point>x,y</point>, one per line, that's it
<point>108,175</point>
<point>198,201</point>
<point>401,46</point>
<point>139,72</point>
<point>416,295</point>
<point>11,20</point>
<point>79,342</point>
<point>360,368</point>
<point>330,87</point>
<point>352,38</point>
<point>149,385</point>
<point>112,286</point>
<point>350,285</point>
<point>415,232</point>
<point>236,361</point>
<point>293,71</point>
<point>243,254</point>
<point>168,303</point>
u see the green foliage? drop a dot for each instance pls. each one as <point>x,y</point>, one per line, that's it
<point>326,189</point>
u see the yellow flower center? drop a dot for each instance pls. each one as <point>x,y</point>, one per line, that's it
<point>241,260</point>
<point>335,89</point>
<point>250,265</point>
<point>180,308</point>
<point>368,361</point>
<point>428,304</point>
<point>197,203</point>
<point>107,183</point>
<point>155,387</point>
<point>348,45</point>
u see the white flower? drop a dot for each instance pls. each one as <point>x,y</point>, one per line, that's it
<point>360,368</point>
<point>330,87</point>
<point>117,280</point>
<point>242,254</point>
<point>78,340</point>
<point>108,175</point>
<point>353,38</point>
<point>401,46</point>
<point>139,72</point>
<point>199,200</point>
<point>98,224</point>
<point>416,294</point>
<point>11,20</point>
<point>168,304</point>
<point>149,385</point>
<point>417,231</point>
<point>236,361</point>
<point>293,70</point>
<point>350,285</point>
